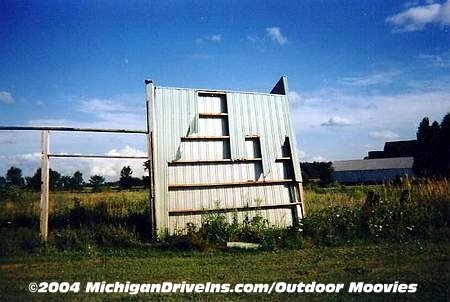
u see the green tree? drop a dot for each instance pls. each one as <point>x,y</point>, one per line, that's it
<point>126,178</point>
<point>97,182</point>
<point>77,181</point>
<point>320,172</point>
<point>55,178</point>
<point>14,177</point>
<point>34,182</point>
<point>64,182</point>
<point>2,182</point>
<point>433,155</point>
<point>424,131</point>
<point>444,139</point>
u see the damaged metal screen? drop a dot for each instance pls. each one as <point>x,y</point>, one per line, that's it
<point>232,152</point>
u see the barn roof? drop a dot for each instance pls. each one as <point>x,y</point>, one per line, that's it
<point>373,164</point>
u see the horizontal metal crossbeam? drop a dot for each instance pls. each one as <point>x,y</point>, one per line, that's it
<point>240,209</point>
<point>70,129</point>
<point>96,156</point>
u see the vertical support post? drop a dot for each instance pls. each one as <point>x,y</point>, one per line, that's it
<point>301,197</point>
<point>45,179</point>
<point>150,146</point>
<point>282,88</point>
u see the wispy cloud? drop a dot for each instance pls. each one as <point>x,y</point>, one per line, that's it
<point>372,111</point>
<point>371,114</point>
<point>253,39</point>
<point>29,162</point>
<point>120,111</point>
<point>201,56</point>
<point>384,134</point>
<point>305,157</point>
<point>437,60</point>
<point>418,17</point>
<point>370,79</point>
<point>295,97</point>
<point>216,38</point>
<point>337,121</point>
<point>6,97</point>
<point>276,36</point>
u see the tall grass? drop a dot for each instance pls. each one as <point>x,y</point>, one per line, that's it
<point>335,215</point>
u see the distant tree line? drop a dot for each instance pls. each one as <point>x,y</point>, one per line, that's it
<point>14,178</point>
<point>433,156</point>
<point>317,172</point>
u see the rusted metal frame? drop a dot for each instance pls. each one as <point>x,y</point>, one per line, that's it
<point>230,184</point>
<point>69,129</point>
<point>227,210</point>
<point>96,156</point>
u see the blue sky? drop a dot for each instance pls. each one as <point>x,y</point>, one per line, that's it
<point>360,72</point>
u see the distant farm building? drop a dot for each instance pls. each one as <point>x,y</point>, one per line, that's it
<point>372,170</point>
<point>408,148</point>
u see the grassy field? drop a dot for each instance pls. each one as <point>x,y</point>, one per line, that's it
<point>102,237</point>
<point>424,263</point>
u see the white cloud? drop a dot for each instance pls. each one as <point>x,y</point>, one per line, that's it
<point>295,97</point>
<point>437,60</point>
<point>368,111</point>
<point>253,39</point>
<point>384,134</point>
<point>95,105</point>
<point>418,17</point>
<point>200,56</point>
<point>276,36</point>
<point>6,97</point>
<point>109,168</point>
<point>318,158</point>
<point>337,121</point>
<point>371,79</point>
<point>126,61</point>
<point>216,38</point>
<point>304,157</point>
<point>372,111</point>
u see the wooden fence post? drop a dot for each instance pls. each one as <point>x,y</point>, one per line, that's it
<point>45,179</point>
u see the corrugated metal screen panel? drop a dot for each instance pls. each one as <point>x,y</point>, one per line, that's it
<point>267,116</point>
<point>249,132</point>
<point>176,115</point>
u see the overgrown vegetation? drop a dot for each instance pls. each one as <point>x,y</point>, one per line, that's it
<point>335,216</point>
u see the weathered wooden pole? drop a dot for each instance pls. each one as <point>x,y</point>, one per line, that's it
<point>45,179</point>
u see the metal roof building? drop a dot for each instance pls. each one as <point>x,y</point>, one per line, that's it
<point>222,151</point>
<point>372,170</point>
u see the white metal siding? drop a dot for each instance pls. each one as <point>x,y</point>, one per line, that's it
<point>214,150</point>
